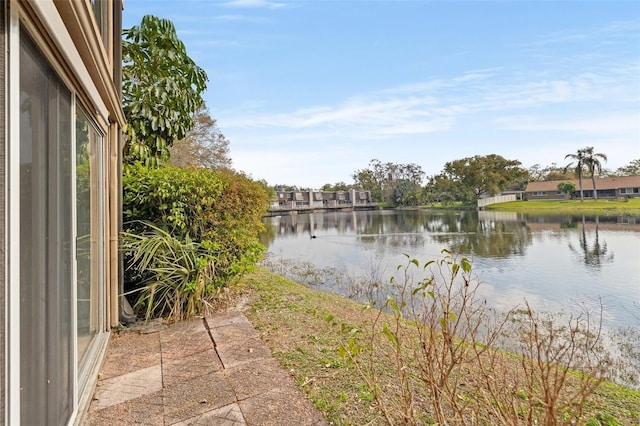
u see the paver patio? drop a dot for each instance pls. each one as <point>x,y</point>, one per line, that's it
<point>210,371</point>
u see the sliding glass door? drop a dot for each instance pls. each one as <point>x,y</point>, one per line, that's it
<point>46,242</point>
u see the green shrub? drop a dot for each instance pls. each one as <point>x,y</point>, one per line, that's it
<point>177,275</point>
<point>213,213</point>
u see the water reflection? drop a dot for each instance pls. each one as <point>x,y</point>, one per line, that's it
<point>484,234</point>
<point>552,261</point>
<point>487,234</point>
<point>592,254</point>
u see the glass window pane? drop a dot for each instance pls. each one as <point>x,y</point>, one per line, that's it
<point>46,255</point>
<point>88,227</point>
<point>100,13</point>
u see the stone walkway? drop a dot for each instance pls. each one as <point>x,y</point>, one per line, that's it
<point>210,371</point>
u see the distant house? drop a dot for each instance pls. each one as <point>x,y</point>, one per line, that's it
<point>61,125</point>
<point>310,200</point>
<point>607,187</point>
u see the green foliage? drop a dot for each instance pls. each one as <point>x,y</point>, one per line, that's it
<point>338,186</point>
<point>578,166</point>
<point>469,178</point>
<point>444,190</point>
<point>179,274</point>
<point>603,419</point>
<point>407,194</point>
<point>594,166</point>
<point>552,172</point>
<point>631,169</point>
<point>586,160</point>
<point>287,188</point>
<point>161,89</point>
<point>367,180</point>
<point>220,211</point>
<point>568,188</point>
<point>383,180</point>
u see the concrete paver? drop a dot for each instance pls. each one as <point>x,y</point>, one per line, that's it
<point>147,350</point>
<point>229,415</point>
<point>128,386</point>
<point>210,371</point>
<point>179,370</point>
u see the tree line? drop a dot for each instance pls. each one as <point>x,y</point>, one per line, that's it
<point>467,179</point>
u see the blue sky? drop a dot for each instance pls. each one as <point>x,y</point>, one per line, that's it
<point>309,91</point>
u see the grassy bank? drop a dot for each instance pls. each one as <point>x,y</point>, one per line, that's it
<point>592,207</point>
<point>305,330</point>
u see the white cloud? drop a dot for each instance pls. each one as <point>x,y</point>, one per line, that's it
<point>358,117</point>
<point>613,30</point>
<point>311,167</point>
<point>255,3</point>
<point>613,125</point>
<point>440,104</point>
<point>242,18</point>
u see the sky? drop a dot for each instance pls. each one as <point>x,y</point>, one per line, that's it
<point>310,91</point>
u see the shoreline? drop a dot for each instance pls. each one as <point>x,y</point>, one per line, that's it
<point>293,320</point>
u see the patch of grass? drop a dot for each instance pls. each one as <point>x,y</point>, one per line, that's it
<point>455,205</point>
<point>293,321</point>
<point>603,419</point>
<point>602,207</point>
<point>307,347</point>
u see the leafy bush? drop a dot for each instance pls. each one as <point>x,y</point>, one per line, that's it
<point>178,274</point>
<point>189,215</point>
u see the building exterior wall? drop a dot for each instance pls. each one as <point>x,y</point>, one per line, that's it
<point>2,201</point>
<point>60,201</point>
<point>545,195</point>
<point>607,187</point>
<point>309,200</point>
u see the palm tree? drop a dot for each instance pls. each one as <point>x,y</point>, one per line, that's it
<point>593,165</point>
<point>580,164</point>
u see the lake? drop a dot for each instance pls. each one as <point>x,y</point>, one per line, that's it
<point>555,263</point>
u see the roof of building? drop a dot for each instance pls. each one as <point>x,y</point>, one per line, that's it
<point>601,183</point>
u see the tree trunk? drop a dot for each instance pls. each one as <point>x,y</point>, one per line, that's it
<point>580,183</point>
<point>595,191</point>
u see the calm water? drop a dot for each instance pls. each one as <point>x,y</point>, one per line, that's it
<point>553,262</point>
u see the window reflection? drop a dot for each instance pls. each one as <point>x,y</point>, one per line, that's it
<point>100,8</point>
<point>89,235</point>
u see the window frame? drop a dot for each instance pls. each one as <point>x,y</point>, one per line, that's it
<point>84,365</point>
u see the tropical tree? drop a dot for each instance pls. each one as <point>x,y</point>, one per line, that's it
<point>204,146</point>
<point>594,166</point>
<point>568,188</point>
<point>161,90</point>
<point>631,169</point>
<point>578,166</point>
